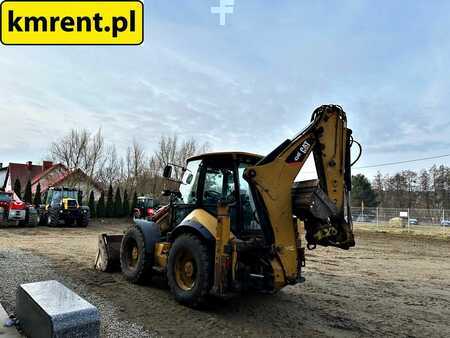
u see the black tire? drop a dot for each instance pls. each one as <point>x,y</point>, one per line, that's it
<point>43,219</point>
<point>188,244</point>
<point>53,217</point>
<point>33,218</point>
<point>136,265</point>
<point>83,220</point>
<point>26,221</point>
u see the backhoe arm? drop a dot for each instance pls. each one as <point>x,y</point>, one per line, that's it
<point>322,205</point>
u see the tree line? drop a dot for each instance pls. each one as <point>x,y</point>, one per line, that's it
<point>135,171</point>
<point>424,189</point>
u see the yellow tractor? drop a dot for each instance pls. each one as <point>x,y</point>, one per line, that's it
<point>238,220</point>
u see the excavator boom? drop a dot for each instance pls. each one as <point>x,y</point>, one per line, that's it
<point>323,205</point>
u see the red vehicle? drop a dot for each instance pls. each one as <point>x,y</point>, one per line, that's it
<point>12,209</point>
<point>146,207</point>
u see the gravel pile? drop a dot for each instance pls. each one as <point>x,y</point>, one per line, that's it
<point>18,267</point>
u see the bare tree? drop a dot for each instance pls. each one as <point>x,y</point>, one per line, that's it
<point>94,153</point>
<point>135,165</point>
<point>79,150</point>
<point>109,172</point>
<point>170,151</point>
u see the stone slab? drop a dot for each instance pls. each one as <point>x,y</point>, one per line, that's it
<point>49,309</point>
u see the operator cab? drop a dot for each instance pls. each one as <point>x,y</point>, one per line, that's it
<point>55,196</point>
<point>217,177</point>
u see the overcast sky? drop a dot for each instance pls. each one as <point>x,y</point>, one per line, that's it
<point>247,85</point>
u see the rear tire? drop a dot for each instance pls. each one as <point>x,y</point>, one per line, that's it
<point>189,270</point>
<point>136,265</point>
<point>83,221</point>
<point>42,217</point>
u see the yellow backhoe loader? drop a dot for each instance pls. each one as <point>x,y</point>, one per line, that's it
<point>238,220</point>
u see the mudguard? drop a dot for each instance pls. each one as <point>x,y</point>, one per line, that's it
<point>151,233</point>
<point>191,226</point>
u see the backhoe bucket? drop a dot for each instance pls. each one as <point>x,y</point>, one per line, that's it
<point>324,223</point>
<point>108,254</point>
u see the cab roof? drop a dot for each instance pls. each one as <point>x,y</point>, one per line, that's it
<point>227,155</point>
<point>63,189</point>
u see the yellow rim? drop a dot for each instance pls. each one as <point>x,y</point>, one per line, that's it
<point>185,270</point>
<point>134,255</point>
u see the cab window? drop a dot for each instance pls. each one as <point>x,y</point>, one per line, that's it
<point>188,190</point>
<point>249,216</point>
<point>219,185</point>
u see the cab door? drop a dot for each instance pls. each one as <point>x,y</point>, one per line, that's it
<point>219,185</point>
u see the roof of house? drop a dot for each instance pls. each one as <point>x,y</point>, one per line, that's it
<point>55,175</point>
<point>23,172</point>
<point>51,178</point>
<point>48,171</point>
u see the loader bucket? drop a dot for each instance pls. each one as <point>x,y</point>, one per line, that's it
<point>108,253</point>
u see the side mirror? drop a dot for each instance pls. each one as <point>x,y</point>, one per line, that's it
<point>165,192</point>
<point>167,173</point>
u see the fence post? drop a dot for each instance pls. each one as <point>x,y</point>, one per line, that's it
<point>408,219</point>
<point>378,223</point>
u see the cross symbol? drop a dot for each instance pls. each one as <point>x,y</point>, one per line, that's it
<point>225,7</point>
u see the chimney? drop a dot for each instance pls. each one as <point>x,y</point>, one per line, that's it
<point>46,165</point>
<point>29,165</point>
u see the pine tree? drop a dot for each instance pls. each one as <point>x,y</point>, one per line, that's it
<point>28,196</point>
<point>18,188</point>
<point>134,203</point>
<point>109,212</point>
<point>101,206</point>
<point>45,197</point>
<point>37,196</point>
<point>118,205</point>
<point>362,192</point>
<point>80,197</point>
<point>92,204</point>
<point>126,204</point>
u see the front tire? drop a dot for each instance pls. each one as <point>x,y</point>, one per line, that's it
<point>136,265</point>
<point>189,270</point>
<point>53,218</point>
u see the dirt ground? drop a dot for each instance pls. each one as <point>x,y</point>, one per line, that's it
<point>390,284</point>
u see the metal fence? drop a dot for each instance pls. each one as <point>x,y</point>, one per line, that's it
<point>402,217</point>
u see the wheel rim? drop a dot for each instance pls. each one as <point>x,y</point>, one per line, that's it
<point>49,220</point>
<point>185,270</point>
<point>133,254</point>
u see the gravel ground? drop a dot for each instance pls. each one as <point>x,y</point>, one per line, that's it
<point>34,268</point>
<point>389,285</point>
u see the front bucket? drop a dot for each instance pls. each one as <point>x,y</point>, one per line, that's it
<point>108,253</point>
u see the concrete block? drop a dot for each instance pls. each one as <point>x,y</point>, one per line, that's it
<point>49,309</point>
